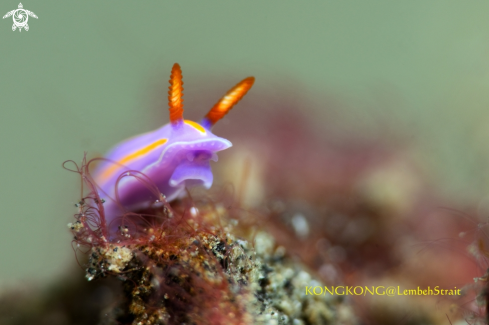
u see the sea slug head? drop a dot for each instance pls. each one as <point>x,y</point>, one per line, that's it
<point>192,145</point>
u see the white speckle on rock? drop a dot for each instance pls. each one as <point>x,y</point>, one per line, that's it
<point>301,227</point>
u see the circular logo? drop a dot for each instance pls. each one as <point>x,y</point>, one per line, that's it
<point>20,17</point>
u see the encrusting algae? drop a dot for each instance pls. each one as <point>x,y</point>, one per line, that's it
<point>198,261</point>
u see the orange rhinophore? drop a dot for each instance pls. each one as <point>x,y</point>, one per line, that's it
<point>232,97</point>
<point>175,94</point>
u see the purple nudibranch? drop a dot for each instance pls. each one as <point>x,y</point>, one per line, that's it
<point>173,157</point>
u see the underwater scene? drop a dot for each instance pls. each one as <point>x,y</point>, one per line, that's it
<point>270,163</point>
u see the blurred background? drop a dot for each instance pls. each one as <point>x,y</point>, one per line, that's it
<point>412,77</point>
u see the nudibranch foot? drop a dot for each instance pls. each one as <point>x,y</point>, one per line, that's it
<point>192,173</point>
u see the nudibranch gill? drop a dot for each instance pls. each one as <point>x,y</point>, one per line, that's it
<point>173,157</point>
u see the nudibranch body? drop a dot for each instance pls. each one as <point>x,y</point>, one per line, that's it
<point>173,157</point>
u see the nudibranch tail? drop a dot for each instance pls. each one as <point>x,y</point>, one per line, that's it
<point>224,105</point>
<point>175,94</point>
